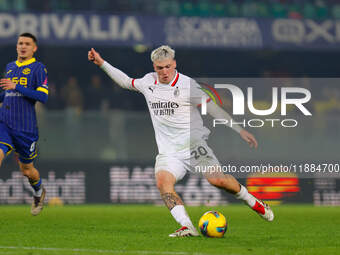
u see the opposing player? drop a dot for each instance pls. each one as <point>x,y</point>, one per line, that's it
<point>24,85</point>
<point>172,99</point>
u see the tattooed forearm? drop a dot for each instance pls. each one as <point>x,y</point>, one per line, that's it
<point>171,200</point>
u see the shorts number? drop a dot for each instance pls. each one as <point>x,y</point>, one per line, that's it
<point>32,147</point>
<point>201,151</point>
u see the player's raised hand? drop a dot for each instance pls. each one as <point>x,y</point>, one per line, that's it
<point>95,57</point>
<point>249,138</point>
<point>7,84</point>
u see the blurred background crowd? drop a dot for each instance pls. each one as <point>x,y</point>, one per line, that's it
<point>314,9</point>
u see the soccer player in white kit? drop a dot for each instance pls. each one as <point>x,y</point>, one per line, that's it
<point>172,100</point>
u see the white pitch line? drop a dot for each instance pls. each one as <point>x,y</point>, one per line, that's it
<point>102,251</point>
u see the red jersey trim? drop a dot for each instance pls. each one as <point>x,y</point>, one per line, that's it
<point>175,81</point>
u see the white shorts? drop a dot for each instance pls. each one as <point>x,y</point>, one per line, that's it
<point>194,160</point>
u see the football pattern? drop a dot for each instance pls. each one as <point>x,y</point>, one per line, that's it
<point>213,224</point>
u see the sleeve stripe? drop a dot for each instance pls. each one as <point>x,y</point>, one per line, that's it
<point>133,83</point>
<point>208,100</point>
<point>42,90</point>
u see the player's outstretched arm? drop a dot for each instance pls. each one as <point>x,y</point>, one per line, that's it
<point>217,112</point>
<point>115,74</point>
<point>95,57</point>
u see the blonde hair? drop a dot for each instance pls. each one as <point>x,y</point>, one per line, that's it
<point>161,53</point>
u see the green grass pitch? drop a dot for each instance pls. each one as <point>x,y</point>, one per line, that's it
<point>143,229</point>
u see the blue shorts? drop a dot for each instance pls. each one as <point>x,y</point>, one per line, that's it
<point>22,142</point>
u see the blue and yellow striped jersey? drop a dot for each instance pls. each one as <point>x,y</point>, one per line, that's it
<point>18,111</point>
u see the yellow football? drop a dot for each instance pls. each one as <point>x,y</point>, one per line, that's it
<point>213,224</point>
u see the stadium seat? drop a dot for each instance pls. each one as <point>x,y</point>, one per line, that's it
<point>279,10</point>
<point>232,10</point>
<point>262,10</point>
<point>309,11</point>
<point>336,11</point>
<point>4,5</point>
<point>249,9</point>
<point>294,11</point>
<point>188,9</point>
<point>219,10</point>
<point>203,7</point>
<point>321,10</point>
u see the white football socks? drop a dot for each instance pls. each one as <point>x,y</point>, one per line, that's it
<point>246,196</point>
<point>181,216</point>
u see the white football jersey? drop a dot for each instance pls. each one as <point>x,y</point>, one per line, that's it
<point>173,108</point>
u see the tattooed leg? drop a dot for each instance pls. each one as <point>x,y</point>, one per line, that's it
<point>165,182</point>
<point>171,199</point>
